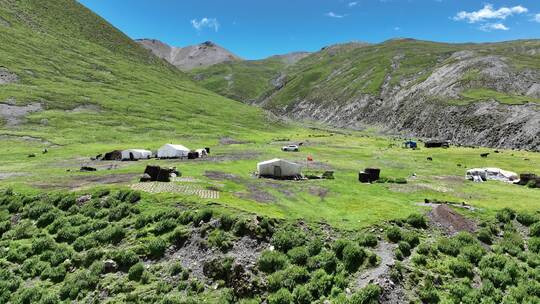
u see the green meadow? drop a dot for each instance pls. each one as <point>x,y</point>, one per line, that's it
<point>342,202</point>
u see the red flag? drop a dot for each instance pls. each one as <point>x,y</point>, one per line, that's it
<point>309,158</point>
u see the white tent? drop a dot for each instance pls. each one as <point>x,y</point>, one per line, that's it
<point>172,151</point>
<point>484,174</point>
<point>132,154</point>
<point>278,168</point>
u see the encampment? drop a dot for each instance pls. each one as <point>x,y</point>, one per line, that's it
<point>279,168</point>
<point>135,154</point>
<point>172,151</point>
<point>485,174</point>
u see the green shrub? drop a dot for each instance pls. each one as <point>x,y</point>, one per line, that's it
<point>142,220</point>
<point>353,257</point>
<point>221,240</point>
<point>287,278</point>
<point>534,230</point>
<point>282,296</point>
<point>67,234</point>
<point>135,272</point>
<point>367,240</point>
<point>204,216</point>
<point>179,236</point>
<point>66,202</point>
<point>394,234</point>
<point>527,218</point>
<point>326,260</point>
<point>112,234</point>
<point>288,238</point>
<point>301,295</point>
<point>119,212</point>
<point>4,227</point>
<point>23,230</point>
<point>84,243</point>
<point>473,253</point>
<point>128,196</point>
<point>338,247</point>
<point>505,215</point>
<point>485,236</point>
<point>448,246</point>
<point>405,248</point>
<point>76,284</point>
<point>55,274</point>
<point>298,255</point>
<point>155,248</point>
<point>419,259</point>
<point>272,261</point>
<point>417,220</point>
<point>425,249</point>
<point>428,295</point>
<point>320,283</point>
<point>41,244</point>
<point>315,246</point>
<point>164,226</point>
<point>226,222</point>
<point>534,244</point>
<point>398,254</point>
<point>367,295</point>
<point>461,268</point>
<point>125,258</point>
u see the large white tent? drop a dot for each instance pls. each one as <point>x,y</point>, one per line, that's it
<point>484,174</point>
<point>172,151</point>
<point>133,154</point>
<point>278,168</point>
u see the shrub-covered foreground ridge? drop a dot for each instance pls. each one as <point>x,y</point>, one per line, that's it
<point>109,247</point>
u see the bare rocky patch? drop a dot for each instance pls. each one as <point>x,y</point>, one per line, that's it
<point>86,108</point>
<point>14,115</point>
<point>444,217</point>
<point>6,77</point>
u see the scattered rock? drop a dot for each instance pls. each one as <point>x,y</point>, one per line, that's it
<point>430,158</point>
<point>87,169</point>
<point>83,199</point>
<point>110,266</point>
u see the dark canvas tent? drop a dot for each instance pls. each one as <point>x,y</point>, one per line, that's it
<point>437,144</point>
<point>113,155</point>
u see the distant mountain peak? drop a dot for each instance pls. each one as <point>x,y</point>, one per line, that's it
<point>187,58</point>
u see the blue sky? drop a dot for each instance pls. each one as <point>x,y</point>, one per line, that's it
<point>256,29</point>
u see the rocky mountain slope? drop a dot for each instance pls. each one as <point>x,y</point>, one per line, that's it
<point>471,94</point>
<point>190,57</point>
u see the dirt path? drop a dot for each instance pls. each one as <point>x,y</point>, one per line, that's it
<point>385,251</point>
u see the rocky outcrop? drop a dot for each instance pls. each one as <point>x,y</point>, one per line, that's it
<point>190,57</point>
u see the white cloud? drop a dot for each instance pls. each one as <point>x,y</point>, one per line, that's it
<point>488,27</point>
<point>205,22</point>
<point>397,28</point>
<point>537,18</point>
<point>488,12</point>
<point>354,3</point>
<point>334,15</point>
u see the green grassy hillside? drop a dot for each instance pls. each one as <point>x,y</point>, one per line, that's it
<point>95,85</point>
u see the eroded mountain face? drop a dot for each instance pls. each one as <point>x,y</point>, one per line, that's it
<point>485,94</point>
<point>190,57</point>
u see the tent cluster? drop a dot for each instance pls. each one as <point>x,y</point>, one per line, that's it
<point>165,152</point>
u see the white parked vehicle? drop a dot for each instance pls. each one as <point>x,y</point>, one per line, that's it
<point>290,148</point>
